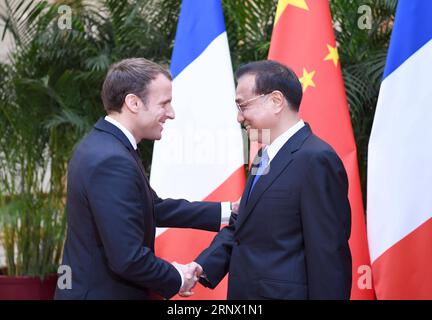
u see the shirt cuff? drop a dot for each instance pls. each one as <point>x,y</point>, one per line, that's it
<point>182,277</point>
<point>225,212</point>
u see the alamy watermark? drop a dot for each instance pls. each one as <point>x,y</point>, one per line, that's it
<point>64,22</point>
<point>365,279</point>
<point>64,281</point>
<point>365,20</point>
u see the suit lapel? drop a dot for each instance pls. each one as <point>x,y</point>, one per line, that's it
<point>106,126</point>
<point>276,167</point>
<point>282,159</point>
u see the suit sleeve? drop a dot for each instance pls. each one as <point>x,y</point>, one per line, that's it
<point>215,260</point>
<point>326,218</point>
<point>115,199</point>
<point>184,214</point>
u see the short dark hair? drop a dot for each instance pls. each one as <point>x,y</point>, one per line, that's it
<point>271,75</point>
<point>129,76</point>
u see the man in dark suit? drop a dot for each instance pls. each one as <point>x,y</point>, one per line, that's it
<point>290,238</point>
<point>112,211</point>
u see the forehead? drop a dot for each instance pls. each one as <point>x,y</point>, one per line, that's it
<point>161,86</point>
<point>245,85</point>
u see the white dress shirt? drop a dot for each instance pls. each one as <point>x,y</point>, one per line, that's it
<point>277,144</point>
<point>125,131</point>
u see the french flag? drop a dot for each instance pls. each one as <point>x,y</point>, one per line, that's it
<point>399,207</point>
<point>200,155</point>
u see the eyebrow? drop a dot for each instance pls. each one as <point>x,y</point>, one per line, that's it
<point>165,101</point>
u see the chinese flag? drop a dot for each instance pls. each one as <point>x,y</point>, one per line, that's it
<point>303,39</point>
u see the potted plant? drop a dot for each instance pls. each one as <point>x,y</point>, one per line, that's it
<point>32,170</point>
<point>33,158</point>
<point>32,230</point>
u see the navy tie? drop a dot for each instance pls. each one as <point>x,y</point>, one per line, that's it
<point>137,156</point>
<point>259,171</point>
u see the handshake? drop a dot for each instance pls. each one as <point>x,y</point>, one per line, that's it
<point>193,271</point>
<point>191,274</point>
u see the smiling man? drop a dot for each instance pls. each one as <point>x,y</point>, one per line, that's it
<point>290,237</point>
<point>112,211</point>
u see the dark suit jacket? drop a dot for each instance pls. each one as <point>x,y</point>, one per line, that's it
<point>290,240</point>
<point>112,213</point>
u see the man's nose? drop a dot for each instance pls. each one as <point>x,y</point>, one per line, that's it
<point>240,117</point>
<point>170,112</point>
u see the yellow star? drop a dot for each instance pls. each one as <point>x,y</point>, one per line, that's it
<point>306,80</point>
<point>332,55</point>
<point>284,3</point>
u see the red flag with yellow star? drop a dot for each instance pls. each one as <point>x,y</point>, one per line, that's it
<point>303,39</point>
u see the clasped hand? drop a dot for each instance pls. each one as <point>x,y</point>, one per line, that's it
<point>191,274</point>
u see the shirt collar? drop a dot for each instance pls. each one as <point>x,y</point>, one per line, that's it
<point>125,131</point>
<point>277,144</point>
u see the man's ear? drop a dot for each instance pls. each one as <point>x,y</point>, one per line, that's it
<point>131,102</point>
<point>278,100</point>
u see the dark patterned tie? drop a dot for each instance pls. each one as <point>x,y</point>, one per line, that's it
<point>137,157</point>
